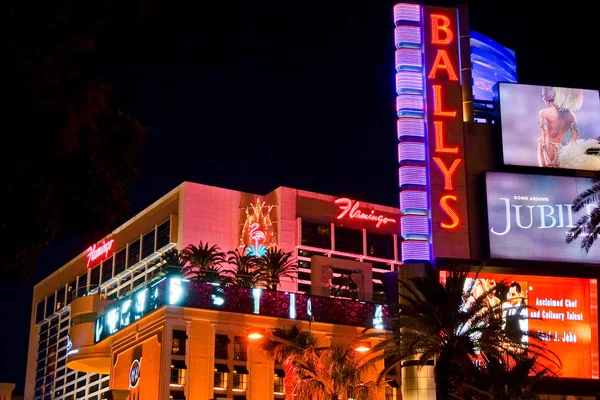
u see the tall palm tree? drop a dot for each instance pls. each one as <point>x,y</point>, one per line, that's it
<point>275,265</point>
<point>205,263</point>
<point>244,268</point>
<point>434,321</point>
<point>588,225</point>
<point>331,373</point>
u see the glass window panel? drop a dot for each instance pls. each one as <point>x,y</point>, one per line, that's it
<point>316,234</point>
<point>120,261</point>
<point>380,245</point>
<point>107,266</point>
<point>71,291</point>
<point>148,244</point>
<point>133,255</point>
<point>163,234</point>
<point>39,311</point>
<point>82,285</point>
<point>95,278</point>
<point>60,298</point>
<point>348,240</point>
<point>50,304</point>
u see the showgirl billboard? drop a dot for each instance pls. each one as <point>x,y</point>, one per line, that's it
<point>563,309</point>
<point>530,216</point>
<point>549,127</point>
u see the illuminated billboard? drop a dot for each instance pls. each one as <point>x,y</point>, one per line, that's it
<point>529,217</point>
<point>564,309</point>
<point>549,127</point>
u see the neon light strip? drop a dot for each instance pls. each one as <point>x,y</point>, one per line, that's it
<point>407,36</point>
<point>410,127</point>
<point>412,134</point>
<point>409,82</point>
<point>413,176</point>
<point>413,202</point>
<point>411,151</point>
<point>415,250</point>
<point>415,225</point>
<point>409,59</point>
<point>407,12</point>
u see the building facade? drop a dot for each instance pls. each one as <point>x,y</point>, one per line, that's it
<point>328,236</point>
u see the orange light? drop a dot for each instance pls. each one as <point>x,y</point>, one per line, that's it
<point>449,211</point>
<point>362,347</point>
<point>255,334</point>
<point>439,139</point>
<point>447,172</point>
<point>440,23</point>
<point>442,61</point>
<point>437,103</point>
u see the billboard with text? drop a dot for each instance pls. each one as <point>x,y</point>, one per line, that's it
<point>564,309</point>
<point>549,127</point>
<point>529,217</point>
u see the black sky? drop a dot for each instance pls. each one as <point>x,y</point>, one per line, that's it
<point>256,95</point>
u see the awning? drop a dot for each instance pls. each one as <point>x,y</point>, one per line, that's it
<point>392,383</point>
<point>179,364</point>
<point>221,368</point>
<point>177,395</point>
<point>279,373</point>
<point>180,334</point>
<point>240,369</point>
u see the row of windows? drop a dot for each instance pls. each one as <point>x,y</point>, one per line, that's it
<point>346,240</point>
<point>112,267</point>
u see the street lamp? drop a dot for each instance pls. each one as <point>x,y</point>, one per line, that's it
<point>255,334</point>
<point>362,346</point>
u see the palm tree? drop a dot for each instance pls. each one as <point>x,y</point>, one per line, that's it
<point>588,225</point>
<point>434,321</point>
<point>244,268</point>
<point>331,373</point>
<point>275,265</point>
<point>204,263</point>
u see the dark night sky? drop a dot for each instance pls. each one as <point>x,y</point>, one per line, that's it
<point>256,95</point>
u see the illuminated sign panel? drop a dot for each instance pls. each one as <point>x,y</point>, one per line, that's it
<point>351,209</point>
<point>549,127</point>
<point>564,309</point>
<point>529,217</point>
<point>430,132</point>
<point>99,251</point>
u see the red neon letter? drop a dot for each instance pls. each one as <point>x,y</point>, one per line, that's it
<point>439,139</point>
<point>440,23</point>
<point>447,172</point>
<point>442,61</point>
<point>437,103</point>
<point>449,211</point>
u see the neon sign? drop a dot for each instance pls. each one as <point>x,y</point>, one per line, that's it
<point>257,233</point>
<point>94,252</point>
<point>351,209</point>
<point>134,373</point>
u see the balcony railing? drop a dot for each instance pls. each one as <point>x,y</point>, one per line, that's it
<point>232,298</point>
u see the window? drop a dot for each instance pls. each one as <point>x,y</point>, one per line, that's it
<point>50,304</point>
<point>304,276</point>
<point>221,343</point>
<point>94,278</point>
<point>163,234</point>
<point>107,267</point>
<point>240,377</point>
<point>278,386</point>
<point>133,255</point>
<point>316,235</point>
<point>39,311</point>
<point>380,245</point>
<point>71,291</point>
<point>179,340</point>
<point>148,244</point>
<point>239,348</point>
<point>60,298</point>
<point>178,368</point>
<point>304,288</point>
<point>176,395</point>
<point>220,375</point>
<point>348,240</point>
<point>120,261</point>
<point>82,285</point>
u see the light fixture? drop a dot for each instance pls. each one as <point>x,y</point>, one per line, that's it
<point>254,333</point>
<point>362,347</point>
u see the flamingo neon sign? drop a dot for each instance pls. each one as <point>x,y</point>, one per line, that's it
<point>257,232</point>
<point>351,209</point>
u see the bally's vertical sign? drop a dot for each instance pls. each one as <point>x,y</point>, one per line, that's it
<point>430,132</point>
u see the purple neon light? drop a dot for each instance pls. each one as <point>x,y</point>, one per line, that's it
<point>409,82</point>
<point>408,58</point>
<point>410,175</point>
<point>411,151</point>
<point>407,12</point>
<point>415,250</point>
<point>407,36</point>
<point>414,225</point>
<point>409,102</point>
<point>413,200</point>
<point>410,127</point>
